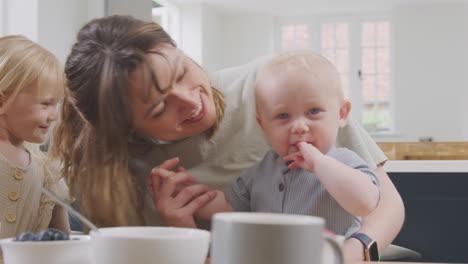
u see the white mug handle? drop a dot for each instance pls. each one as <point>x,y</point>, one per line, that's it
<point>338,256</point>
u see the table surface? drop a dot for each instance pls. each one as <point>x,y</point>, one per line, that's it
<point>352,262</point>
<point>364,262</point>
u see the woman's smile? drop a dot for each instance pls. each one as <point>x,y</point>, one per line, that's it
<point>198,114</point>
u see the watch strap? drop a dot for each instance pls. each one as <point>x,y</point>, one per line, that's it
<point>370,246</point>
<point>365,239</point>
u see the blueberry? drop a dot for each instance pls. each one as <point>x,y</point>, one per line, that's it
<point>56,234</point>
<point>60,236</point>
<point>45,235</point>
<point>49,234</point>
<point>26,236</point>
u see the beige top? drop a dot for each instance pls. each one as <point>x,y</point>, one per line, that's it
<point>240,142</point>
<point>23,207</point>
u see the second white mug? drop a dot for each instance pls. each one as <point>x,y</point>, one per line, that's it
<point>269,238</point>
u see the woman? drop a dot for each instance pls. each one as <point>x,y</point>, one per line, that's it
<point>137,102</point>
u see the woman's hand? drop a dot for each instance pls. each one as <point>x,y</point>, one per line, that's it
<point>173,195</point>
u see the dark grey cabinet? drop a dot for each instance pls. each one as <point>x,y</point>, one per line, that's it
<point>436,223</point>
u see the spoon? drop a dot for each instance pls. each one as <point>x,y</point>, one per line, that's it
<point>70,209</point>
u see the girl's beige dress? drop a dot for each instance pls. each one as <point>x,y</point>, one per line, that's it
<point>23,207</point>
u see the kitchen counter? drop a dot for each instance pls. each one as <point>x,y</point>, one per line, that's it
<point>452,166</point>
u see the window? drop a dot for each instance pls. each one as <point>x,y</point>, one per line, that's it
<point>360,51</point>
<point>294,37</point>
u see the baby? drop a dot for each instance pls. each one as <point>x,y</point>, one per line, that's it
<point>300,107</point>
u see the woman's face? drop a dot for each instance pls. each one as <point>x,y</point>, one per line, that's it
<point>186,109</point>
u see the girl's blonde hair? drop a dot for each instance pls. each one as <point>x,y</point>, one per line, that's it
<point>95,138</point>
<point>24,63</point>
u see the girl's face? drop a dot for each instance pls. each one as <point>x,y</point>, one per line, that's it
<point>186,109</point>
<point>29,116</point>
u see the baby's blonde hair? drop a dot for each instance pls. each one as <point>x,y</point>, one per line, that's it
<point>306,61</point>
<point>24,63</point>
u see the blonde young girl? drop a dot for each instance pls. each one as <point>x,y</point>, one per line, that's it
<point>31,84</point>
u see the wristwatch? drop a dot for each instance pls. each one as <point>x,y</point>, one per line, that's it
<point>371,252</point>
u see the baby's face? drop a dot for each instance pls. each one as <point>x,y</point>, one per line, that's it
<point>298,106</point>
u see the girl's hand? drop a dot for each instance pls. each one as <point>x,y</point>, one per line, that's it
<point>306,158</point>
<point>175,199</point>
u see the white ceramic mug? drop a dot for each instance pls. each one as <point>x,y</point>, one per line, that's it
<point>268,238</point>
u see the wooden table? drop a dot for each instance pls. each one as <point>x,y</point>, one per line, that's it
<point>355,262</point>
<point>364,262</point>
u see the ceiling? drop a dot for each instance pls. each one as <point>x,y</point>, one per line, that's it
<point>298,7</point>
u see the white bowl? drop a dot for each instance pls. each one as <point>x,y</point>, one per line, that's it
<point>48,252</point>
<point>149,245</point>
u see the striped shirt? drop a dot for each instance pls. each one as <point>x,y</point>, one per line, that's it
<point>269,186</point>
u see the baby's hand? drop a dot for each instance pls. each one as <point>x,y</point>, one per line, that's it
<point>306,158</point>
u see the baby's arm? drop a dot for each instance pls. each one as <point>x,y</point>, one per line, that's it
<point>59,219</point>
<point>217,205</point>
<point>351,188</point>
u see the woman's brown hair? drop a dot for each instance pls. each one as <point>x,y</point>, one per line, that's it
<point>92,138</point>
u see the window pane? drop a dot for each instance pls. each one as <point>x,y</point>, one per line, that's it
<point>382,117</point>
<point>368,84</point>
<point>383,60</point>
<point>342,35</point>
<point>383,87</point>
<point>383,34</point>
<point>295,37</point>
<point>368,119</point>
<point>328,35</point>
<point>342,61</point>
<point>345,84</point>
<point>368,60</point>
<point>368,34</point>
<point>302,36</point>
<point>287,37</point>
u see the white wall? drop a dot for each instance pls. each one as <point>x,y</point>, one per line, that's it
<point>96,8</point>
<point>21,18</point>
<point>137,8</point>
<point>191,37</point>
<point>200,34</point>
<point>430,74</point>
<point>211,44</point>
<point>58,23</point>
<point>244,38</point>
<point>2,17</point>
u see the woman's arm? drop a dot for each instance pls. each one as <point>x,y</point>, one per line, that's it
<point>384,223</point>
<point>59,219</point>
